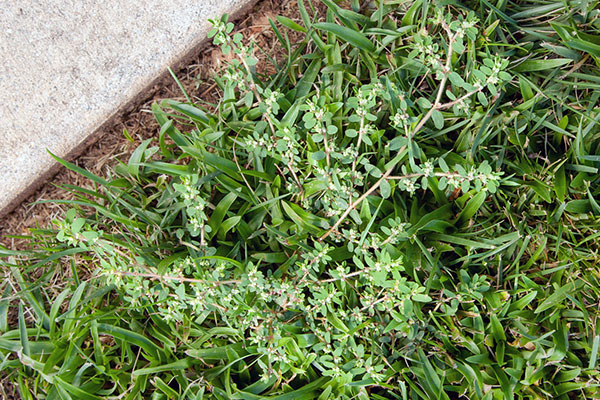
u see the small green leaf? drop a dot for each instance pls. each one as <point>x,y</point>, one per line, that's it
<point>456,79</point>
<point>443,165</point>
<point>482,99</point>
<point>318,155</point>
<point>385,188</point>
<point>438,119</point>
<point>458,46</point>
<point>424,103</point>
<point>422,298</point>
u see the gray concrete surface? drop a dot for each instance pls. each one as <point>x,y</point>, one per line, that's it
<point>66,66</point>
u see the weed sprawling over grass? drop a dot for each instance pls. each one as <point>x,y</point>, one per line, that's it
<point>407,209</point>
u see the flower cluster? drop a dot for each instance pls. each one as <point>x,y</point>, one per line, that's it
<point>195,204</point>
<point>236,77</point>
<point>269,103</point>
<point>481,178</point>
<point>428,51</point>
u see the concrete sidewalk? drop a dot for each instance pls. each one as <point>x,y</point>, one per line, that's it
<point>68,66</point>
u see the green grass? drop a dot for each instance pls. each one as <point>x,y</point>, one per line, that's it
<point>371,222</point>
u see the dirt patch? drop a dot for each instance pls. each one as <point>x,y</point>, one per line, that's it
<point>7,390</point>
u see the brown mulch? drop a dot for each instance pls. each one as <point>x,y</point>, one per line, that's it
<point>111,144</point>
<point>7,390</point>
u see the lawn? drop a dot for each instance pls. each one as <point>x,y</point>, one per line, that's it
<point>406,209</point>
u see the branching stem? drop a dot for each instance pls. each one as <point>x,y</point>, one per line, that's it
<point>181,279</point>
<point>416,129</point>
<point>269,121</point>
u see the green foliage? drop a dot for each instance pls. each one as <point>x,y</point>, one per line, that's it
<point>408,208</point>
